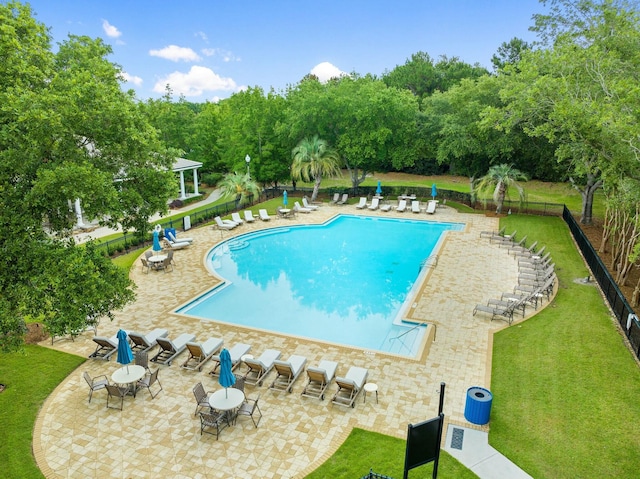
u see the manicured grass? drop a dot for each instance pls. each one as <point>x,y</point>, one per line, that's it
<point>365,450</point>
<point>30,377</point>
<point>565,387</point>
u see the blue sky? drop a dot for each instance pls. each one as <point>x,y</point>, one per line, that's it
<point>208,50</point>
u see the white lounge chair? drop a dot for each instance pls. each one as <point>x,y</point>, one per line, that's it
<point>415,206</point>
<point>174,239</point>
<point>345,197</point>
<point>236,352</point>
<point>299,209</point>
<point>334,200</point>
<point>350,386</point>
<point>145,342</point>
<point>200,353</point>
<point>260,367</point>
<point>375,202</point>
<point>225,224</point>
<point>175,244</point>
<point>306,204</point>
<point>288,372</point>
<point>170,349</point>
<point>363,202</point>
<point>431,207</point>
<point>236,218</point>
<point>385,207</point>
<point>402,206</point>
<point>320,378</point>
<point>264,216</point>
<point>248,216</point>
<point>105,347</point>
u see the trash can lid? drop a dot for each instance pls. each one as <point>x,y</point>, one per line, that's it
<point>479,394</point>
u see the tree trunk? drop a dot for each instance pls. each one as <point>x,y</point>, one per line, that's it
<point>606,230</point>
<point>586,215</point>
<point>316,187</point>
<point>353,173</point>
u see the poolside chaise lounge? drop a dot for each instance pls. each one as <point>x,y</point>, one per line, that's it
<point>172,236</point>
<point>300,209</point>
<point>144,342</point>
<point>248,216</point>
<point>345,197</point>
<point>235,217</point>
<point>489,234</point>
<point>236,352</point>
<point>520,247</point>
<point>349,387</point>
<point>105,347</point>
<point>363,203</point>
<point>200,353</point>
<point>431,207</point>
<point>224,224</point>
<point>335,199</point>
<point>264,216</point>
<point>415,206</point>
<point>375,202</point>
<point>306,204</point>
<point>170,349</point>
<point>385,207</point>
<point>319,379</point>
<point>288,372</point>
<point>499,312</point>
<point>260,367</point>
<point>504,239</point>
<point>402,206</point>
<point>175,244</point>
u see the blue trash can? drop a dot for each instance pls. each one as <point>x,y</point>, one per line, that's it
<point>478,407</point>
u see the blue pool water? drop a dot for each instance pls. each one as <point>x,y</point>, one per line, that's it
<point>345,281</point>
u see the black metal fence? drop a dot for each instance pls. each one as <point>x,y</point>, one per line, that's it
<point>618,303</point>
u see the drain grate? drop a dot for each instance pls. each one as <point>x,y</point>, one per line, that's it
<point>456,438</point>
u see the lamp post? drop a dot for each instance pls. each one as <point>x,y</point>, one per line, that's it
<point>248,160</point>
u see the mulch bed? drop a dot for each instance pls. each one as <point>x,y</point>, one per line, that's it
<point>35,333</point>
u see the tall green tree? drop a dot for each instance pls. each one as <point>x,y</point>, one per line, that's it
<point>497,181</point>
<point>314,159</point>
<point>67,131</point>
<point>509,53</point>
<point>240,186</point>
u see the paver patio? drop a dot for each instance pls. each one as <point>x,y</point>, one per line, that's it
<point>73,438</point>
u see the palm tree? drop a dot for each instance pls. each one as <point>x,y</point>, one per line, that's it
<point>240,186</point>
<point>313,158</point>
<point>500,178</point>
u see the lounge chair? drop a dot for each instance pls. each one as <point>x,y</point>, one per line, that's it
<point>431,207</point>
<point>520,248</point>
<point>248,216</point>
<point>170,349</point>
<point>171,235</point>
<point>510,238</point>
<point>402,206</point>
<point>173,245</point>
<point>345,198</point>
<point>236,352</point>
<point>350,386</point>
<point>385,207</point>
<point>288,372</point>
<point>363,202</point>
<point>200,353</point>
<point>415,206</point>
<point>375,202</point>
<point>306,204</point>
<point>498,312</point>
<point>144,342</point>
<point>334,200</point>
<point>260,367</point>
<point>105,347</point>
<point>235,217</point>
<point>224,224</point>
<point>319,379</point>
<point>264,216</point>
<point>300,209</point>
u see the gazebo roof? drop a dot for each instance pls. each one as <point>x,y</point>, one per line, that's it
<point>182,164</point>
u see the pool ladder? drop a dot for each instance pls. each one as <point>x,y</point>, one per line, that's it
<point>430,261</point>
<point>401,335</point>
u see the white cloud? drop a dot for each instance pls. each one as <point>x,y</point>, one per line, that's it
<point>202,35</point>
<point>110,30</point>
<point>194,83</point>
<point>326,71</point>
<point>176,54</point>
<point>226,55</point>
<point>132,79</point>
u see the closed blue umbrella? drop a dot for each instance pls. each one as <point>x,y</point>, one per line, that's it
<point>125,356</point>
<point>156,240</point>
<point>226,378</point>
<point>434,191</point>
<point>285,200</point>
<point>378,189</point>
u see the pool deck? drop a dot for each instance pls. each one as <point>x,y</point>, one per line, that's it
<point>161,436</point>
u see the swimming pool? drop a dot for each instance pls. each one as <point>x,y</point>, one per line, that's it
<point>346,281</point>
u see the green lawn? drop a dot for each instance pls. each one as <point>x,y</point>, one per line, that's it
<point>30,377</point>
